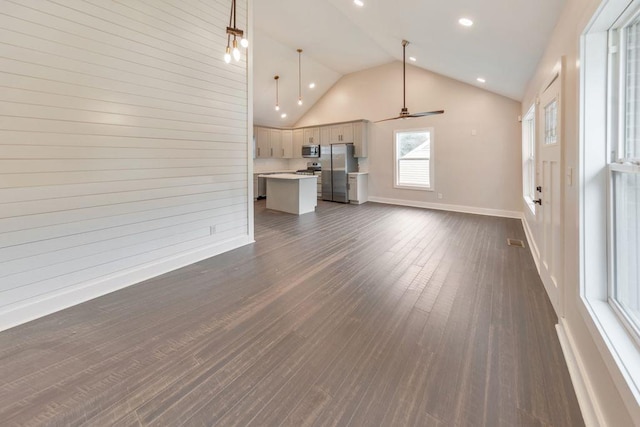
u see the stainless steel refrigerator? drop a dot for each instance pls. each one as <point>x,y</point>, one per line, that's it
<point>337,161</point>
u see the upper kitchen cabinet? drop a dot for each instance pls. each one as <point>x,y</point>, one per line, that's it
<point>275,138</point>
<point>344,133</point>
<point>268,143</point>
<point>263,144</point>
<point>287,144</point>
<point>311,136</point>
<point>360,138</point>
<point>298,142</point>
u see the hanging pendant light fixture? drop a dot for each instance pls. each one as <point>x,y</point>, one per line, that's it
<point>276,78</point>
<point>299,76</point>
<point>233,30</point>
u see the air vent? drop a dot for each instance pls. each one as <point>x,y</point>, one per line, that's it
<point>515,242</point>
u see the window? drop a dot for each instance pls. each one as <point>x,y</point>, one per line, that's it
<point>624,178</point>
<point>529,157</point>
<point>610,184</point>
<point>551,123</point>
<point>413,159</point>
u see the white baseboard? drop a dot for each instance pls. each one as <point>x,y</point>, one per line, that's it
<point>444,207</point>
<point>50,303</point>
<point>533,248</point>
<point>581,384</point>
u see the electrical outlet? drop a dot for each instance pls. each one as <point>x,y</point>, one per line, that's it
<point>474,132</point>
<point>440,196</point>
<point>212,229</point>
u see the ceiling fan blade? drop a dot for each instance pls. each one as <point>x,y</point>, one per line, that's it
<point>391,118</point>
<point>426,113</point>
<point>415,115</point>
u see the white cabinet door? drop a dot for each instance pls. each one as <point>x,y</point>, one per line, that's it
<point>341,133</point>
<point>312,135</point>
<point>287,144</point>
<point>275,136</point>
<point>360,135</point>
<point>298,142</point>
<point>263,146</point>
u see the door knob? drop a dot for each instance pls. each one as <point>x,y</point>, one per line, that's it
<point>539,202</point>
<point>539,189</point>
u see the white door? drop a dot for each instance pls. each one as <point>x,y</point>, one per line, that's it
<point>549,209</point>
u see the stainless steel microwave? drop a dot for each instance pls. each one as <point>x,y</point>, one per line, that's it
<point>310,151</point>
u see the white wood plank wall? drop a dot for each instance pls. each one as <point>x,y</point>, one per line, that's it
<point>123,146</point>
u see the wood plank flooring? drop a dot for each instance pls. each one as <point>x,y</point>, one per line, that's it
<point>358,315</point>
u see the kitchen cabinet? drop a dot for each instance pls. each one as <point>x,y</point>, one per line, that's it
<point>287,144</point>
<point>263,144</point>
<point>275,140</point>
<point>355,133</point>
<point>269,143</point>
<point>311,136</point>
<point>360,138</point>
<point>358,187</point>
<point>298,142</point>
<point>342,133</point>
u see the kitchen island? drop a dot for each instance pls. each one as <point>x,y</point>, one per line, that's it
<point>291,193</point>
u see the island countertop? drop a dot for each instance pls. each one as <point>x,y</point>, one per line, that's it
<point>287,176</point>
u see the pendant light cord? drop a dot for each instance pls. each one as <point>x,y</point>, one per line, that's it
<point>299,74</point>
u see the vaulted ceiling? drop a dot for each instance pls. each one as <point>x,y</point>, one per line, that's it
<point>503,45</point>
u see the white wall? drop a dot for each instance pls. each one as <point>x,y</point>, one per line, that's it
<point>605,386</point>
<point>480,173</point>
<point>123,146</point>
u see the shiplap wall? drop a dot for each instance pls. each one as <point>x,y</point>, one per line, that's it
<point>123,146</point>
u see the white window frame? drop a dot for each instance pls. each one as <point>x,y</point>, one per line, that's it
<point>616,145</point>
<point>529,158</point>
<point>431,186</point>
<point>599,130</point>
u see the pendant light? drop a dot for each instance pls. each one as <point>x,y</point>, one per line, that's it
<point>233,30</point>
<point>299,76</point>
<point>276,78</point>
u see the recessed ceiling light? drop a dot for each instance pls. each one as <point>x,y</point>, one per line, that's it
<point>312,85</point>
<point>283,115</point>
<point>358,3</point>
<point>481,80</point>
<point>412,58</point>
<point>465,22</point>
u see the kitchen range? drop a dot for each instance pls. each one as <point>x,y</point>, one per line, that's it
<point>313,168</point>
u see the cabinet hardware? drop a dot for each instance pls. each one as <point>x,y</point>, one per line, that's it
<point>539,189</point>
<point>539,202</point>
<point>258,151</point>
<point>272,152</point>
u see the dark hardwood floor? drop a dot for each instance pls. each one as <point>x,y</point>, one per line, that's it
<point>354,315</point>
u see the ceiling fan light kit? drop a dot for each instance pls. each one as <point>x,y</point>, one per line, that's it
<point>404,112</point>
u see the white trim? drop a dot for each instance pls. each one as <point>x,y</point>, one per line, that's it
<point>533,248</point>
<point>66,298</point>
<point>453,208</point>
<point>432,175</point>
<point>591,412</point>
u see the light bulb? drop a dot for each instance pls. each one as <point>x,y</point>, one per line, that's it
<point>236,51</point>
<point>277,108</point>
<point>244,43</point>
<point>227,55</point>
<point>300,101</point>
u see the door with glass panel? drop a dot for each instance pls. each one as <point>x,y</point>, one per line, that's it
<point>549,192</point>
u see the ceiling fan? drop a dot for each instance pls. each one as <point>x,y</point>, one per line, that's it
<point>404,113</point>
